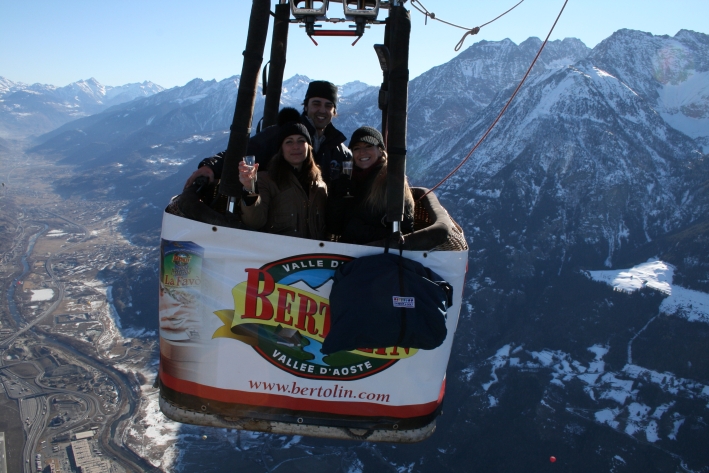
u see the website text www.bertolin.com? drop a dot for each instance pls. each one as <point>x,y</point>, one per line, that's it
<point>336,392</point>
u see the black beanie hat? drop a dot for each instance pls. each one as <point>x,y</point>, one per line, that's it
<point>293,128</point>
<point>324,89</point>
<point>287,114</point>
<point>369,135</point>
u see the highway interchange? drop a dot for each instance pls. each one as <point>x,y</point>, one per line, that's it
<point>32,393</point>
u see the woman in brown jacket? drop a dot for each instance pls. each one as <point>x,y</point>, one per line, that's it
<point>290,196</point>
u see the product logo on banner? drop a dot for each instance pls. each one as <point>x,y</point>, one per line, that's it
<point>282,310</point>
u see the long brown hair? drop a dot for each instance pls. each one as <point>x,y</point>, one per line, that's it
<point>279,170</point>
<point>377,197</point>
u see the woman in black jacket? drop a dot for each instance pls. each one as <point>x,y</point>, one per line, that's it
<point>356,207</point>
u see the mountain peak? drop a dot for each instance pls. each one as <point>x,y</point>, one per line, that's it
<point>23,103</point>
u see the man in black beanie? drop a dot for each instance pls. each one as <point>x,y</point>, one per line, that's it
<point>319,108</point>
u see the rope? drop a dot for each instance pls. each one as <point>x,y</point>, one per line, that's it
<point>469,31</point>
<point>504,109</point>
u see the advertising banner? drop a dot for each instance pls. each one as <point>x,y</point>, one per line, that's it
<point>243,316</point>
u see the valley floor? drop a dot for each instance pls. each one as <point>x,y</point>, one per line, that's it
<point>58,321</point>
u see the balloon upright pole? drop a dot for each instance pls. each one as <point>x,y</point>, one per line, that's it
<point>399,31</point>
<point>246,97</point>
<point>279,46</point>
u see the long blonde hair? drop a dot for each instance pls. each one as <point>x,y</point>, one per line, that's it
<point>377,197</point>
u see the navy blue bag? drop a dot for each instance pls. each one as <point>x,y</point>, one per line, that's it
<point>385,300</point>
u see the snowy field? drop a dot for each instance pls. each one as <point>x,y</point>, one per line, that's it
<point>616,393</point>
<point>42,295</point>
<point>658,275</point>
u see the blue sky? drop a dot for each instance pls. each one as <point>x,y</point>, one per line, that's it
<point>173,42</point>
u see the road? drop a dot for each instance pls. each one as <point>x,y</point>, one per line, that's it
<point>33,399</point>
<point>33,410</point>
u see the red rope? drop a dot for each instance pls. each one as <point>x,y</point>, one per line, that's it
<point>504,109</point>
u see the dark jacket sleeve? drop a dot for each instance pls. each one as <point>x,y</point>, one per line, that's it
<point>263,145</point>
<point>361,231</point>
<point>365,225</point>
<point>338,208</point>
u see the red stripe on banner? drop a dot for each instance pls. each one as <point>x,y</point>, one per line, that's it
<point>234,396</point>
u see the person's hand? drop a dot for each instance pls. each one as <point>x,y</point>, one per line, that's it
<point>247,174</point>
<point>203,171</point>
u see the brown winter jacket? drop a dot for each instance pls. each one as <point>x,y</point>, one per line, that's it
<point>288,211</point>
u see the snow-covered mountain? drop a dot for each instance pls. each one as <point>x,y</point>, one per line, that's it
<point>579,159</point>
<point>185,123</point>
<point>352,88</point>
<point>447,95</point>
<point>7,86</point>
<point>170,127</point>
<point>36,109</point>
<point>670,73</point>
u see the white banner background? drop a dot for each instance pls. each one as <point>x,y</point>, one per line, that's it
<point>230,364</point>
